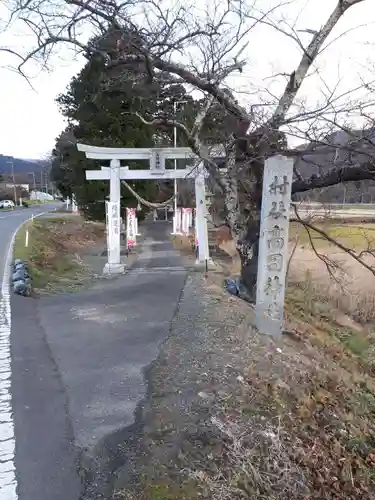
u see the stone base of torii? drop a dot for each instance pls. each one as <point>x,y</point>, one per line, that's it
<point>115,173</point>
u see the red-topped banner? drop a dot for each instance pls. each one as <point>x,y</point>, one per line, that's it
<point>131,231</point>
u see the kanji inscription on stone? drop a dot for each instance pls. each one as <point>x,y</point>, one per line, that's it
<point>273,244</point>
<point>279,187</point>
<point>275,241</point>
<point>115,218</point>
<point>273,287</point>
<point>275,311</point>
<point>278,210</point>
<point>275,262</point>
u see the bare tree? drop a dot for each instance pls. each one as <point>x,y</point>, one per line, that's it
<point>201,47</point>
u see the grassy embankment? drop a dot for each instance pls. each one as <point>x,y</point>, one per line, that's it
<point>37,202</point>
<point>53,254</point>
<point>288,418</point>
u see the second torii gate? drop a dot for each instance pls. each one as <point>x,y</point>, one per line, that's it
<point>156,157</point>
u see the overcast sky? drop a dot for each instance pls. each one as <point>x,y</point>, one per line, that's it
<point>30,120</point>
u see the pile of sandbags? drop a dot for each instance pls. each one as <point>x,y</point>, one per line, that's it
<point>21,279</point>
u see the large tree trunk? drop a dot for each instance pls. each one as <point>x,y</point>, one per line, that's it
<point>249,193</point>
<point>248,245</point>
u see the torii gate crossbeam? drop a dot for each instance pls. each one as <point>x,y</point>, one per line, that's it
<point>157,157</point>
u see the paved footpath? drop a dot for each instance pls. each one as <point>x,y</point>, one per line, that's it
<point>77,373</point>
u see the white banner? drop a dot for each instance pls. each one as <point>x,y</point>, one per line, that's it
<point>186,219</point>
<point>113,226</point>
<point>106,218</point>
<point>177,222</point>
<point>137,233</point>
<point>131,231</point>
<point>74,205</point>
<point>196,231</point>
<point>191,218</point>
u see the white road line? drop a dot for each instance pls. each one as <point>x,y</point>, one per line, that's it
<point>8,480</point>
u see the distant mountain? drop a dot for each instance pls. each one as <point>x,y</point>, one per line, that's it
<point>339,149</point>
<point>21,166</point>
<point>25,171</point>
<point>30,160</point>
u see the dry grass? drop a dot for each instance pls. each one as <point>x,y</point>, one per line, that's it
<point>184,243</point>
<point>256,418</point>
<point>356,236</point>
<point>53,254</point>
<point>358,303</point>
<point>349,290</point>
<point>296,415</point>
<point>230,266</point>
<point>301,424</point>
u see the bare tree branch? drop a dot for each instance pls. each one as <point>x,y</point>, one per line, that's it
<point>201,47</point>
<point>193,139</point>
<point>336,176</point>
<point>310,53</point>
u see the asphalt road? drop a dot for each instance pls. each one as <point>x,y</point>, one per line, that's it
<point>78,364</point>
<point>9,222</point>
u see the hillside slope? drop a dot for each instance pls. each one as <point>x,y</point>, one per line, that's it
<point>25,171</point>
<point>340,149</point>
<point>20,166</point>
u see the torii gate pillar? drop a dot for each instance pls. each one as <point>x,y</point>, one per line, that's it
<point>201,217</point>
<point>115,182</point>
<point>157,170</point>
<point>114,264</point>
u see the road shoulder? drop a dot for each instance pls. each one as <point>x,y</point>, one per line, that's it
<point>46,458</point>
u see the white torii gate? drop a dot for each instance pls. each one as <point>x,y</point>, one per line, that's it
<point>157,157</point>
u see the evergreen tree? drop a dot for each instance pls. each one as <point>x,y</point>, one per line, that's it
<point>100,110</point>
